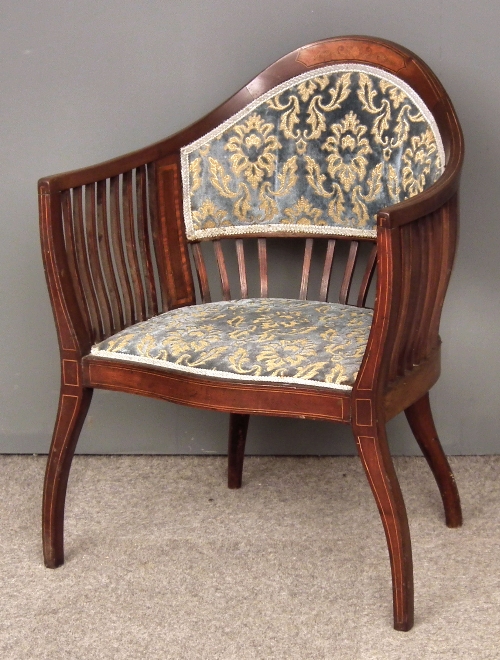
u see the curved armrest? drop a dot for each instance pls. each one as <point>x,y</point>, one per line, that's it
<point>104,170</point>
<point>103,246</point>
<point>416,243</point>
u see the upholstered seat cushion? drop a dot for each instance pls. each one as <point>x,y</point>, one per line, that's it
<point>268,340</point>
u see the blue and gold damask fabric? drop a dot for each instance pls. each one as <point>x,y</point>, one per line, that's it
<point>319,154</point>
<point>266,340</point>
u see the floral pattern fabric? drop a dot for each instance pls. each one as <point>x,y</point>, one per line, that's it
<point>268,340</point>
<point>320,154</point>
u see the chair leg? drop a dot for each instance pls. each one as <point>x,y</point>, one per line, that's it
<point>238,426</point>
<point>377,461</point>
<point>72,411</point>
<point>419,416</point>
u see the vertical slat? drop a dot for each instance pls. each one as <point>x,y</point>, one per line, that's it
<point>262,250</point>
<point>348,273</point>
<point>414,353</point>
<point>161,295</point>
<point>201,272</point>
<point>83,265</point>
<point>224,279</point>
<point>306,269</point>
<point>436,257</point>
<point>117,244</point>
<point>91,224</point>
<point>144,242</point>
<point>403,311</point>
<point>131,246</point>
<point>411,319</point>
<point>447,236</point>
<point>423,344</point>
<point>71,250</point>
<point>106,260</point>
<point>240,253</point>
<point>327,271</point>
<point>367,277</point>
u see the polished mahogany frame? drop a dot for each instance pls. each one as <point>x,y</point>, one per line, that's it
<point>115,252</point>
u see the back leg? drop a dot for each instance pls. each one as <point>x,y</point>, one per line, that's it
<point>238,427</point>
<point>419,417</point>
<point>72,411</point>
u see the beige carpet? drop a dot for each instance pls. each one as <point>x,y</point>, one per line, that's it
<point>164,562</point>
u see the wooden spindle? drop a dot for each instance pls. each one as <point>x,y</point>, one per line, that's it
<point>224,279</point>
<point>431,259</point>
<point>395,361</point>
<point>131,248</point>
<point>71,251</point>
<point>201,272</point>
<point>143,236</point>
<point>240,253</point>
<point>367,277</point>
<point>306,268</point>
<point>93,238</point>
<point>262,250</point>
<point>446,235</point>
<point>84,266</point>
<point>348,273</point>
<point>156,234</point>
<point>327,271</point>
<point>106,260</point>
<point>415,263</point>
<point>117,245</point>
<point>414,354</point>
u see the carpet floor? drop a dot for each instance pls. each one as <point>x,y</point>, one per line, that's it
<point>164,562</point>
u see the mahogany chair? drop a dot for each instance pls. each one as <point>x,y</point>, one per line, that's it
<point>350,145</point>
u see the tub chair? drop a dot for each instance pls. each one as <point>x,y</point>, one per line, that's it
<point>343,158</point>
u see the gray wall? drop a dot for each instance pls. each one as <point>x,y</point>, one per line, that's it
<point>84,81</point>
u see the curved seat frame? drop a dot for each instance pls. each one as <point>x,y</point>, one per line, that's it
<point>100,284</point>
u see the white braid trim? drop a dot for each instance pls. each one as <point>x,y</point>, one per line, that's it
<point>170,366</point>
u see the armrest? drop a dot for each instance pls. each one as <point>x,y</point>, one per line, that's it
<point>416,245</point>
<point>414,261</point>
<point>101,171</point>
<point>103,246</point>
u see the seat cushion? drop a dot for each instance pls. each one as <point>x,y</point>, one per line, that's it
<point>269,340</point>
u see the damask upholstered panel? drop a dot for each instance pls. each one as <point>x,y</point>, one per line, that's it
<point>319,154</point>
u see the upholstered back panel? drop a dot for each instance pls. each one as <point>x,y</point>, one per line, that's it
<point>319,154</point>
